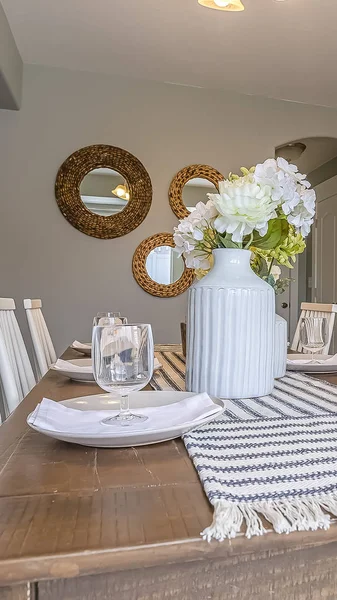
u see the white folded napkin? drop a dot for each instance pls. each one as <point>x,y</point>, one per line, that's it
<point>80,346</point>
<point>66,365</point>
<point>329,361</point>
<point>52,416</point>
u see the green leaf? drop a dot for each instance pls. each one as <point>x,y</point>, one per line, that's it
<point>226,241</point>
<point>270,279</point>
<point>263,267</point>
<point>277,232</point>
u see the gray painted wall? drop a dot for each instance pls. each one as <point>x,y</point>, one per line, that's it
<point>324,172</point>
<point>167,127</point>
<point>10,67</point>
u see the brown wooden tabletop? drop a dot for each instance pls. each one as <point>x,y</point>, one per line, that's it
<point>68,512</point>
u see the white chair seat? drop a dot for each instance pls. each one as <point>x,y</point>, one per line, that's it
<point>44,350</point>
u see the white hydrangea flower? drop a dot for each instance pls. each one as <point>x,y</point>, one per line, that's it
<point>243,207</point>
<point>190,232</point>
<point>202,214</point>
<point>309,200</point>
<point>292,171</point>
<point>290,195</point>
<point>290,188</point>
<point>302,215</point>
<point>197,260</point>
<point>267,174</point>
<point>302,219</point>
<point>183,242</point>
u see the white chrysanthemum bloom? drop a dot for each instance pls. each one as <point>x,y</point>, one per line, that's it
<point>243,206</point>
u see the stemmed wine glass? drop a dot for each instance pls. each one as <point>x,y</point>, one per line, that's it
<point>122,360</point>
<point>314,334</point>
<point>119,320</point>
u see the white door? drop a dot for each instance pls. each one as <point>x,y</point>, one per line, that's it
<point>325,246</point>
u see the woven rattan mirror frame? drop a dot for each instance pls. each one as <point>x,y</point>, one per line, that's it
<point>79,164</point>
<point>180,180</point>
<point>144,280</point>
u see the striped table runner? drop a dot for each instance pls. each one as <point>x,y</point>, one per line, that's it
<point>172,374</point>
<point>274,456</point>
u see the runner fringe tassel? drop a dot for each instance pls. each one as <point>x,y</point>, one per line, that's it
<point>297,514</point>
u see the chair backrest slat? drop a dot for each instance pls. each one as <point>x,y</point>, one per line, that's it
<point>8,386</point>
<point>315,310</point>
<point>45,354</point>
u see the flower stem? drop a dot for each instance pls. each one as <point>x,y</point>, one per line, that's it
<point>270,266</point>
<point>246,246</point>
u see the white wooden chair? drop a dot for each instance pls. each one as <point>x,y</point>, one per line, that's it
<point>43,346</point>
<point>9,395</point>
<point>309,309</point>
<point>15,364</point>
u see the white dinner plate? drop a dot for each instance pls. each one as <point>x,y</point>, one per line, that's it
<point>127,437</point>
<point>85,362</point>
<point>85,351</point>
<point>77,375</point>
<point>310,367</point>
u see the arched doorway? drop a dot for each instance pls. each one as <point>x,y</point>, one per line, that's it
<point>315,273</point>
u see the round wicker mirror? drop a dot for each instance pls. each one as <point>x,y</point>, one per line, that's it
<point>202,178</point>
<point>84,196</point>
<point>158,269</point>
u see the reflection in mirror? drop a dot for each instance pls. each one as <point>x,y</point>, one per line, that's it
<point>164,265</point>
<point>104,192</point>
<point>195,191</point>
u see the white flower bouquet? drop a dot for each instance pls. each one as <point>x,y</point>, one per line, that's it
<point>269,210</point>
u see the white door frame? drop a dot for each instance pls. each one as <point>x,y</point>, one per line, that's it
<point>293,302</point>
<point>324,191</point>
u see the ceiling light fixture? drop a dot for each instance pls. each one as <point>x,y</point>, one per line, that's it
<point>230,5</point>
<point>122,192</point>
<point>290,152</point>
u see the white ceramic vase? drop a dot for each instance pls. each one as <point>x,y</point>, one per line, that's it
<point>280,353</point>
<point>231,330</point>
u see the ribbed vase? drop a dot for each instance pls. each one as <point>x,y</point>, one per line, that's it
<point>280,354</point>
<point>231,330</point>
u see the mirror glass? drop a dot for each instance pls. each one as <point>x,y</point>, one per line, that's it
<point>104,192</point>
<point>196,190</point>
<point>164,265</point>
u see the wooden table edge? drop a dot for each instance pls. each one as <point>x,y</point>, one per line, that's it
<point>93,562</point>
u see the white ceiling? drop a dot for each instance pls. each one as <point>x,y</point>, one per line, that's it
<point>278,49</point>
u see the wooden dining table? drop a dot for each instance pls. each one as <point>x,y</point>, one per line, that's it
<point>84,523</point>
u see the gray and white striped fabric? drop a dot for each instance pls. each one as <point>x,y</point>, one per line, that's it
<point>274,456</point>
